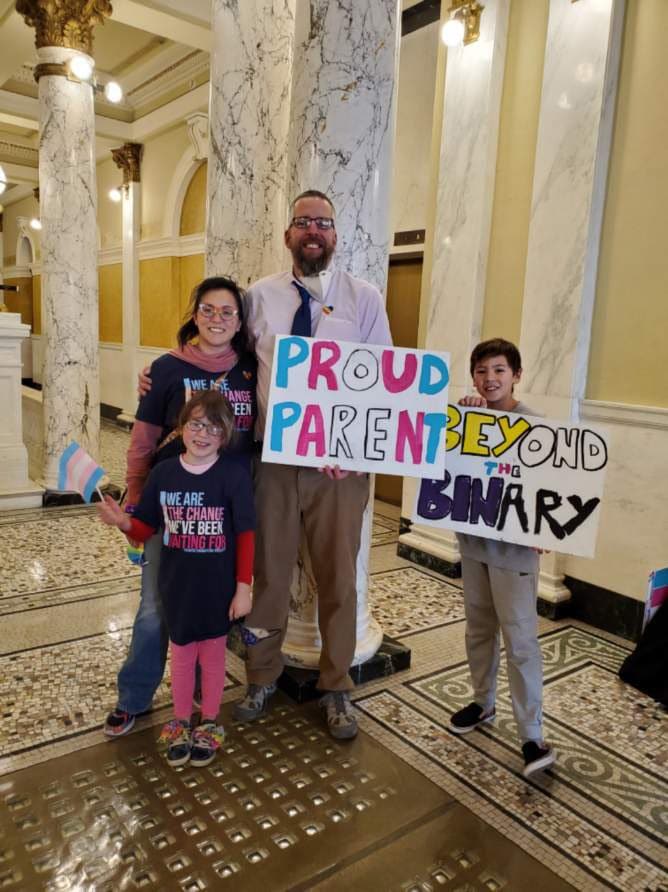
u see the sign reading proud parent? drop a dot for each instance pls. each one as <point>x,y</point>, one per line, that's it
<point>363,407</point>
<point>518,479</point>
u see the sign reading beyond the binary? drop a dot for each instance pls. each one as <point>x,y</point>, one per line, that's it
<point>363,407</point>
<point>518,479</point>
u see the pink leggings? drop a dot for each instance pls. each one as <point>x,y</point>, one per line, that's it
<point>211,656</point>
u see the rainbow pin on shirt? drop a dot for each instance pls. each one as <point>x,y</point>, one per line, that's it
<point>328,310</point>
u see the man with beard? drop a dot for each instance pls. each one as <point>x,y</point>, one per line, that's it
<point>311,300</point>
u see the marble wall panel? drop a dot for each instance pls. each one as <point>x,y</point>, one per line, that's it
<point>251,66</point>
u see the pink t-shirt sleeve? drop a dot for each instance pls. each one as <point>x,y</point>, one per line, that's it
<point>143,440</point>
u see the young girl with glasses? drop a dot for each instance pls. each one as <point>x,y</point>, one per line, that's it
<point>213,353</point>
<point>202,504</point>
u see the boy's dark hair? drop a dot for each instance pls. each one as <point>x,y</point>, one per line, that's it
<point>312,193</point>
<point>215,408</point>
<point>188,330</point>
<point>497,347</point>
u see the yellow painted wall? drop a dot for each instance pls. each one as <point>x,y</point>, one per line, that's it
<point>193,211</point>
<point>192,273</point>
<point>628,355</point>
<point>165,284</point>
<point>20,302</point>
<point>159,305</point>
<point>518,128</point>
<point>110,282</point>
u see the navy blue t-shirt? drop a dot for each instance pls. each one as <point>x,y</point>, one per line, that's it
<point>174,381</point>
<point>199,516</point>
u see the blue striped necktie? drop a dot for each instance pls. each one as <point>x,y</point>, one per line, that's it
<point>301,324</point>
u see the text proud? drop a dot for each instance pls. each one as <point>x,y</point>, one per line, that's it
<point>363,407</point>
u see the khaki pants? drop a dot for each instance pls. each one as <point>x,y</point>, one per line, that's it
<point>331,512</point>
<point>494,597</point>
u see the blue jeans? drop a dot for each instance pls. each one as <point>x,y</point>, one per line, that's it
<point>144,666</point>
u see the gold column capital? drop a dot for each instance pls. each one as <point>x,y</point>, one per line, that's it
<point>128,159</point>
<point>65,23</point>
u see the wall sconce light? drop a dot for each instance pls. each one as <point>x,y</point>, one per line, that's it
<point>81,69</point>
<point>115,195</point>
<point>463,26</point>
<point>3,180</point>
<point>35,224</point>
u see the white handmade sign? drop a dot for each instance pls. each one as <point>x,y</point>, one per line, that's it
<point>363,407</point>
<point>518,479</point>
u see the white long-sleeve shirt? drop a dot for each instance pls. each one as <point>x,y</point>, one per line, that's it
<point>347,309</point>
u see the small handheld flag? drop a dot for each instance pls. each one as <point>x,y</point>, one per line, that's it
<point>78,472</point>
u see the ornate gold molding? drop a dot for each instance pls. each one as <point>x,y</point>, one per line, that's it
<point>66,23</point>
<point>128,159</point>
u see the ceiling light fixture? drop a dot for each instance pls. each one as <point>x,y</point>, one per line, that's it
<point>463,26</point>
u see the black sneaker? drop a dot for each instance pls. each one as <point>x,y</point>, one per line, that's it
<point>118,723</point>
<point>176,734</point>
<point>469,718</point>
<point>537,757</point>
<point>206,739</point>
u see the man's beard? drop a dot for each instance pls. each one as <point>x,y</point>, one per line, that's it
<point>311,266</point>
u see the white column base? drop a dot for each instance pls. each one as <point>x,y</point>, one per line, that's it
<point>23,497</point>
<point>551,586</point>
<point>441,544</point>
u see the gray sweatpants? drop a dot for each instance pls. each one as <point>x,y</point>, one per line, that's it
<point>496,598</point>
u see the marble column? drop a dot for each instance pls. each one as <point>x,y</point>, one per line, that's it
<point>16,489</point>
<point>251,68</point>
<point>128,158</point>
<point>465,197</point>
<point>68,206</point>
<point>572,155</point>
<point>341,139</point>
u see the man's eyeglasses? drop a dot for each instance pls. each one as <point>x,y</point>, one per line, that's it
<point>198,426</point>
<point>305,222</point>
<point>210,312</point>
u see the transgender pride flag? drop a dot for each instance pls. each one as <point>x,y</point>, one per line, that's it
<point>657,593</point>
<point>78,472</point>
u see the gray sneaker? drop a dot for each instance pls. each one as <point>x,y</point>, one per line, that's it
<point>339,714</point>
<point>254,704</point>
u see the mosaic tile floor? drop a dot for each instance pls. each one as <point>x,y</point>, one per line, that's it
<point>598,820</point>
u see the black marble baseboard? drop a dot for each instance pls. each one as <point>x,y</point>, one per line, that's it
<point>605,609</point>
<point>599,607</point>
<point>430,561</point>
<point>53,498</point>
<point>109,412</point>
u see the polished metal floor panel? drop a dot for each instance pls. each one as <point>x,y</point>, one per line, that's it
<point>453,851</point>
<point>281,803</point>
